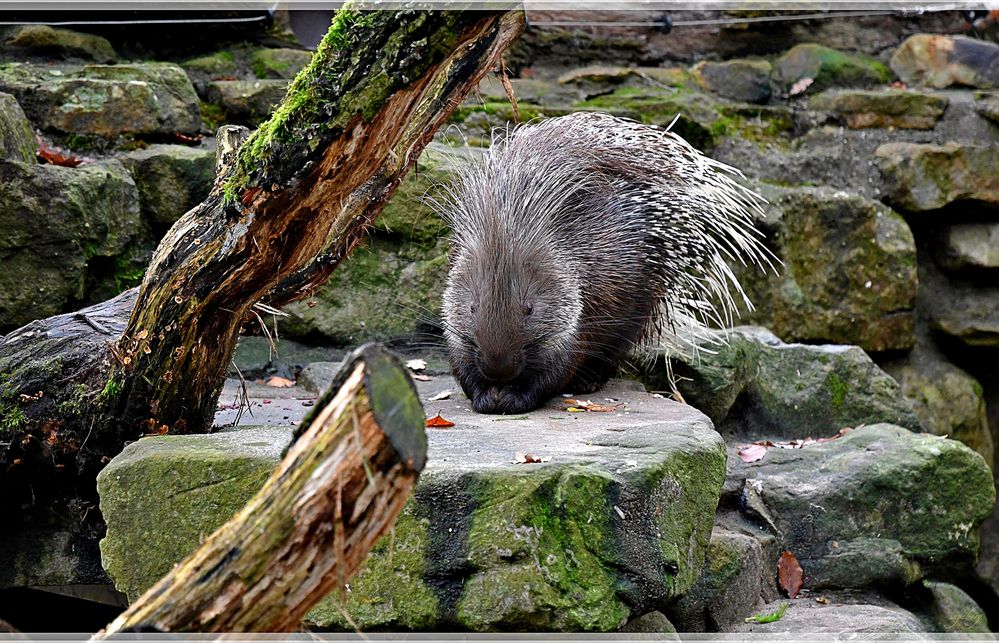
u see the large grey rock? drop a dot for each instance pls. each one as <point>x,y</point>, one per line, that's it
<point>970,246</point>
<point>947,400</point>
<point>951,610</point>
<point>105,100</point>
<point>616,523</point>
<point>879,506</point>
<point>937,60</point>
<point>246,102</point>
<point>806,617</point>
<point>826,67</point>
<point>43,40</point>
<point>962,309</point>
<point>862,109</point>
<point>279,63</point>
<point>755,386</point>
<point>17,141</point>
<point>849,271</point>
<point>743,80</point>
<point>731,586</point>
<point>923,177</point>
<point>58,222</point>
<point>171,180</point>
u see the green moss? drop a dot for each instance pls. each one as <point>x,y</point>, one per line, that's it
<point>212,116</point>
<point>110,391</point>
<point>334,88</point>
<point>11,418</point>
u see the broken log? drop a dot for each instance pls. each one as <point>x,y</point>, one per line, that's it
<point>341,485</point>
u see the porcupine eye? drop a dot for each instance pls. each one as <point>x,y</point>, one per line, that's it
<point>528,309</point>
<point>472,309</point>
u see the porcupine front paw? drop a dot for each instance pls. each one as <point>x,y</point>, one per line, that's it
<point>502,400</point>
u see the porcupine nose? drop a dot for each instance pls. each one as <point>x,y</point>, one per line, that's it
<point>500,366</point>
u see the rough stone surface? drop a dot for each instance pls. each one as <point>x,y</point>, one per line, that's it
<point>965,310</point>
<point>730,587</point>
<point>17,141</point>
<point>805,615</point>
<point>947,400</point>
<point>58,224</point>
<point>970,246</point>
<point>171,180</point>
<point>849,272</point>
<point>862,109</point>
<point>743,80</point>
<point>616,522</point>
<point>827,68</point>
<point>757,387</point>
<point>652,623</point>
<point>105,100</point>
<point>246,102</point>
<point>42,40</point>
<point>879,506</point>
<point>941,61</point>
<point>279,63</point>
<point>951,610</point>
<point>923,177</point>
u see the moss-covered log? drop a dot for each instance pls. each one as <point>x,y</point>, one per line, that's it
<point>341,485</point>
<point>299,195</point>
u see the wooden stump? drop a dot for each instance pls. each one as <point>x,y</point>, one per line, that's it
<point>341,485</point>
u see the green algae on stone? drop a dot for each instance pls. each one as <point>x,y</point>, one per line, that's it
<point>918,498</point>
<point>848,273</point>
<point>279,63</point>
<point>756,386</point>
<point>882,108</point>
<point>924,176</point>
<point>950,609</point>
<point>61,226</point>
<point>105,100</point>
<point>43,40</point>
<point>17,140</point>
<point>171,179</point>
<point>193,483</point>
<point>827,68</point>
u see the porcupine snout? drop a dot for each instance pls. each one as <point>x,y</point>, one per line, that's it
<point>500,366</point>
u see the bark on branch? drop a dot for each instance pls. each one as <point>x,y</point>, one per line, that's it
<point>298,197</point>
<point>341,485</point>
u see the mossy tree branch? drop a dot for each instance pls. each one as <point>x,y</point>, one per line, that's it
<point>300,195</point>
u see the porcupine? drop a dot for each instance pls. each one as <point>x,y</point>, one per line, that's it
<point>578,238</point>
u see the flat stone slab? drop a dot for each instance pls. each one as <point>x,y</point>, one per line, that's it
<point>615,519</point>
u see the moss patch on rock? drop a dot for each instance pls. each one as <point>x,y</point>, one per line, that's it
<point>827,68</point>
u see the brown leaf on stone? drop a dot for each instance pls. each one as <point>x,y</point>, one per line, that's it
<point>801,85</point>
<point>437,422</point>
<point>752,453</point>
<point>55,156</point>
<point>789,574</point>
<point>186,139</point>
<point>279,382</point>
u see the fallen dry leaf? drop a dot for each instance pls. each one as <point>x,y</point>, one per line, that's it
<point>421,377</point>
<point>789,574</point>
<point>801,86</point>
<point>279,382</point>
<point>416,364</point>
<point>752,453</point>
<point>576,406</point>
<point>187,139</point>
<point>57,156</point>
<point>528,458</point>
<point>437,422</point>
<point>443,395</point>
